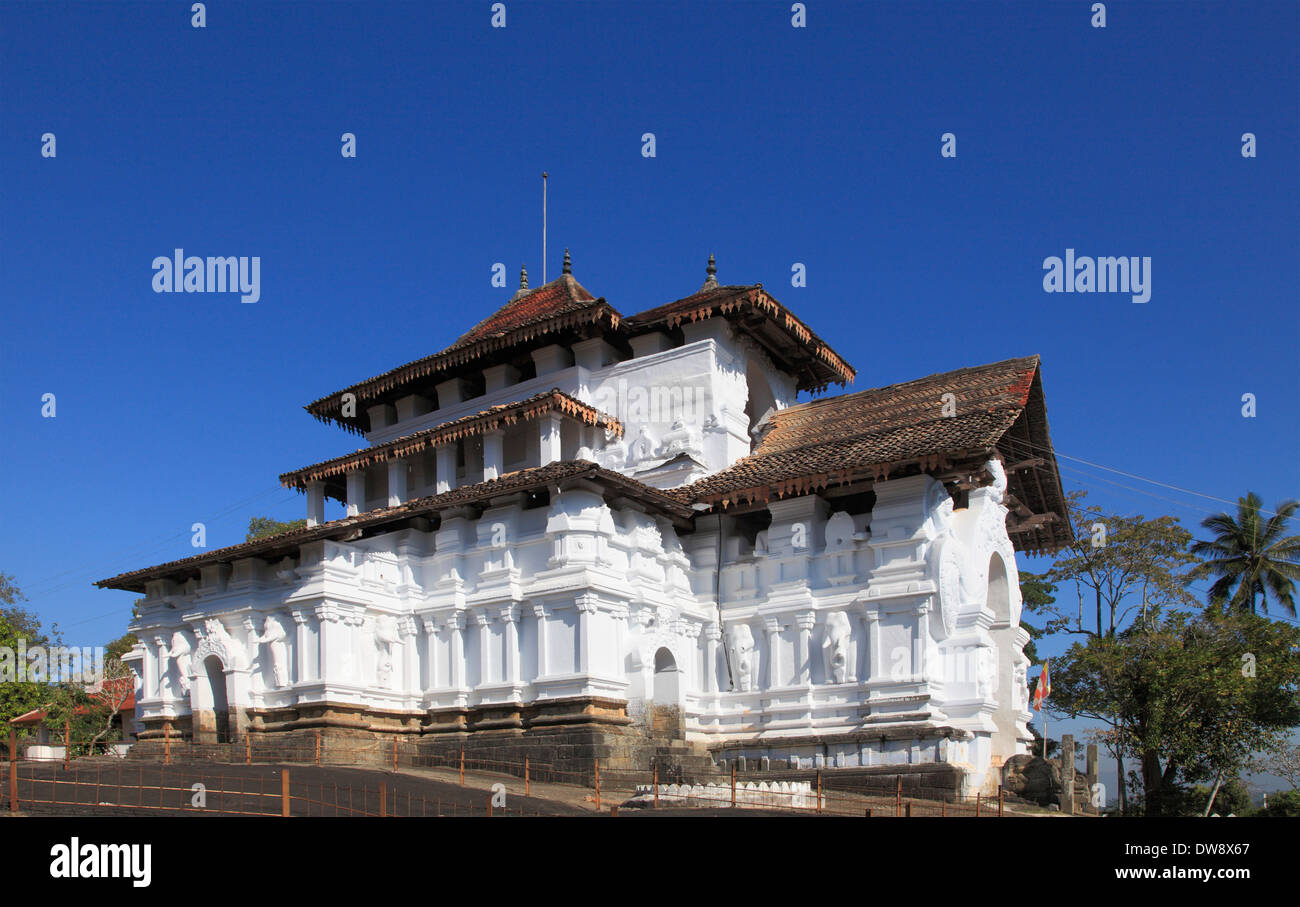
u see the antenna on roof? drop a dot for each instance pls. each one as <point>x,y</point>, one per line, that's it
<point>543,227</point>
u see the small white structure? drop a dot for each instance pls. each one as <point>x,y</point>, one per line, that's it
<point>571,522</point>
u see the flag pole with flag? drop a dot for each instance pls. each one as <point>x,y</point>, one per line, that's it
<point>1041,692</point>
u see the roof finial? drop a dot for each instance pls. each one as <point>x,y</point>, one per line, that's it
<point>568,265</point>
<point>523,277</point>
<point>710,282</point>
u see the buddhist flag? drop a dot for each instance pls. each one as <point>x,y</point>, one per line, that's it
<point>1044,688</point>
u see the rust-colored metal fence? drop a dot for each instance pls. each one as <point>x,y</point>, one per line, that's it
<point>266,784</point>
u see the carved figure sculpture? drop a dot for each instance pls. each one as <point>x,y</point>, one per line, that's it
<point>385,638</point>
<point>273,636</point>
<point>179,653</point>
<point>742,648</point>
<point>835,646</point>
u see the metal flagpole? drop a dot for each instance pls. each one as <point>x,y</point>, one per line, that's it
<point>543,226</point>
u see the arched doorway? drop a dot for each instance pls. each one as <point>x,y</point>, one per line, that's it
<point>1004,657</point>
<point>668,720</point>
<point>216,674</point>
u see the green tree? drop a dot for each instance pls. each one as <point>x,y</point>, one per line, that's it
<point>1036,593</point>
<point>19,629</point>
<point>262,526</point>
<point>1282,803</point>
<point>1190,697</point>
<point>1122,564</point>
<point>120,646</point>
<point>1251,553</point>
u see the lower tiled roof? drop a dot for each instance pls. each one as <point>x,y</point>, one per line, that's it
<point>490,419</point>
<point>287,543</point>
<point>873,434</point>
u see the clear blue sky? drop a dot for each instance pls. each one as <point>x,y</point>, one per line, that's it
<point>775,145</point>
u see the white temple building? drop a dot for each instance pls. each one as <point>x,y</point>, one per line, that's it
<point>574,532</point>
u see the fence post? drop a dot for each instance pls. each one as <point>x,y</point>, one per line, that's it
<point>898,798</point>
<point>733,784</point>
<point>67,742</point>
<point>248,748</point>
<point>318,746</point>
<point>383,800</point>
<point>909,809</point>
<point>656,785</point>
<point>597,785</point>
<point>819,790</point>
<point>943,808</point>
<point>999,801</point>
<point>13,744</point>
<point>462,766</point>
<point>284,792</point>
<point>13,783</point>
<point>394,754</point>
<point>489,810</point>
<point>528,786</point>
<point>978,800</point>
<point>167,743</point>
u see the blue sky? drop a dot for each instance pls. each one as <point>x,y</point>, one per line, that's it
<point>774,145</point>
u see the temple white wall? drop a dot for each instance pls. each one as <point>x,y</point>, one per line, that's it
<point>886,625</point>
<point>686,400</point>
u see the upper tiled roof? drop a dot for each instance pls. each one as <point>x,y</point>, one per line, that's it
<point>475,424</point>
<point>559,297</point>
<point>563,304</point>
<point>563,308</point>
<point>788,340</point>
<point>892,430</point>
<point>388,519</point>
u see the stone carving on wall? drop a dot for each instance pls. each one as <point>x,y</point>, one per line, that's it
<point>386,636</point>
<point>218,641</point>
<point>742,650</point>
<point>680,439</point>
<point>999,474</point>
<point>180,654</point>
<point>1020,685</point>
<point>273,636</point>
<point>985,671</point>
<point>950,584</point>
<point>642,447</point>
<point>835,646</point>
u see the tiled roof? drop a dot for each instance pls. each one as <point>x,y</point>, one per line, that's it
<point>891,430</point>
<point>288,543</point>
<point>789,340</point>
<point>560,305</point>
<point>558,297</point>
<point>475,424</point>
<point>564,305</point>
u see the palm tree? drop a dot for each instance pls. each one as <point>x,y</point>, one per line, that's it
<point>1250,552</point>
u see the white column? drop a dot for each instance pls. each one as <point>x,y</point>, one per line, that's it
<point>159,662</point>
<point>430,653</point>
<point>711,636</point>
<point>315,503</point>
<point>356,492</point>
<point>493,454</point>
<point>773,628</point>
<point>455,625</point>
<point>325,633</point>
<point>586,605</point>
<point>483,622</point>
<point>548,436</point>
<point>509,618</point>
<point>805,622</point>
<point>300,646</point>
<point>446,468</point>
<point>540,614</point>
<point>396,481</point>
<point>410,658</point>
